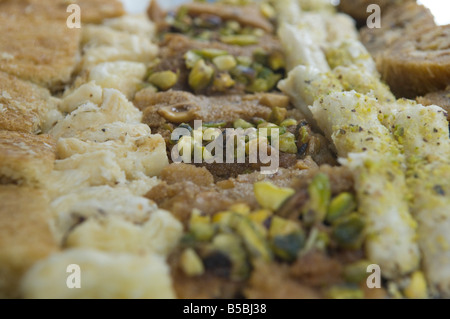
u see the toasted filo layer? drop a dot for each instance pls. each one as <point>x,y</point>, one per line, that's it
<point>24,106</point>
<point>36,42</point>
<point>25,235</point>
<point>26,159</point>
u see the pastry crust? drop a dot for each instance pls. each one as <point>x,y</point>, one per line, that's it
<point>98,10</point>
<point>25,159</point>
<point>25,235</point>
<point>441,98</point>
<point>29,50</point>
<point>23,105</point>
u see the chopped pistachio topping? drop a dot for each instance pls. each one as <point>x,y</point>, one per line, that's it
<point>191,263</point>
<point>200,75</point>
<point>200,226</point>
<point>289,122</point>
<point>242,124</point>
<point>210,53</point>
<point>223,82</point>
<point>319,198</point>
<point>270,196</point>
<point>417,287</point>
<point>288,143</point>
<point>278,115</point>
<point>163,80</point>
<point>191,59</point>
<point>345,292</point>
<point>240,39</point>
<point>349,231</point>
<point>357,271</point>
<point>225,62</point>
<point>342,205</point>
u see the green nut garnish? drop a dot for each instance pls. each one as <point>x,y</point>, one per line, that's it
<point>288,143</point>
<point>223,82</point>
<point>289,122</point>
<point>200,76</point>
<point>241,39</point>
<point>319,198</point>
<point>259,85</point>
<point>225,62</point>
<point>191,58</point>
<point>287,247</point>
<point>265,82</point>
<point>244,60</point>
<point>254,241</point>
<point>276,61</point>
<point>215,124</point>
<point>210,53</point>
<point>356,272</point>
<point>348,231</point>
<point>341,205</point>
<point>163,80</point>
<point>304,135</point>
<point>267,10</point>
<point>345,292</point>
<point>271,128</point>
<point>242,124</point>
<point>270,196</point>
<point>278,115</point>
<point>260,56</point>
<point>200,226</point>
<point>231,245</point>
<point>191,263</point>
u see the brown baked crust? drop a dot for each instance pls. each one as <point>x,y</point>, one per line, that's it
<point>22,104</point>
<point>419,64</point>
<point>441,98</point>
<point>358,8</point>
<point>397,22</point>
<point>25,235</point>
<point>26,159</point>
<point>208,109</point>
<point>98,10</point>
<point>36,43</point>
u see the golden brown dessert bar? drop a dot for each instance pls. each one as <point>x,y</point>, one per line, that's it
<point>25,159</point>
<point>98,10</point>
<point>22,104</point>
<point>37,45</point>
<point>397,22</point>
<point>358,8</point>
<point>25,235</point>
<point>419,64</point>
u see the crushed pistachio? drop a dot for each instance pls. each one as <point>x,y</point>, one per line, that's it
<point>319,198</point>
<point>341,205</point>
<point>210,53</point>
<point>288,143</point>
<point>191,263</point>
<point>277,61</point>
<point>200,76</point>
<point>223,82</point>
<point>349,231</point>
<point>357,271</point>
<point>163,80</point>
<point>417,287</point>
<point>277,115</point>
<point>242,124</point>
<point>240,39</point>
<point>270,196</point>
<point>345,292</point>
<point>289,122</point>
<point>200,226</point>
<point>225,62</point>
